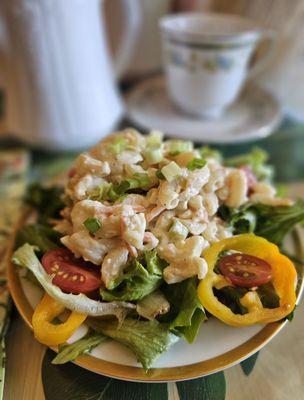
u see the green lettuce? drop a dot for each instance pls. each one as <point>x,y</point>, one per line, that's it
<point>154,264</point>
<point>46,200</point>
<point>147,339</point>
<point>152,305</point>
<point>186,312</point>
<point>231,297</point>
<point>270,222</point>
<point>25,257</point>
<point>256,160</point>
<point>39,235</point>
<point>268,296</point>
<point>136,283</point>
<point>69,352</point>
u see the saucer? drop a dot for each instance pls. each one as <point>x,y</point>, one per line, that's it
<point>253,116</point>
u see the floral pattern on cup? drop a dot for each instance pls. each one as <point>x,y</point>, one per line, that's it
<point>194,61</point>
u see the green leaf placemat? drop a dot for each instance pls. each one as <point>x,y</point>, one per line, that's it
<point>70,382</point>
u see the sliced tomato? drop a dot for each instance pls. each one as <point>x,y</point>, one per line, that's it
<point>71,274</point>
<point>245,270</point>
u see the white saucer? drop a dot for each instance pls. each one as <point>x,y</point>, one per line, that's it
<point>254,116</point>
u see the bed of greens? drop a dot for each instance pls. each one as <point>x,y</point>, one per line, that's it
<point>148,239</point>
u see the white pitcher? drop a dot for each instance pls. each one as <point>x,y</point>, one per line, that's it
<point>59,79</point>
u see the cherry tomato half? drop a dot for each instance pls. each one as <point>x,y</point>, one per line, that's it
<point>71,274</point>
<point>245,270</point>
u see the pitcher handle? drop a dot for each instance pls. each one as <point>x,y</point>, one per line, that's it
<point>133,15</point>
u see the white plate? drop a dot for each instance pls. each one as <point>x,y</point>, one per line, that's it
<point>217,346</point>
<point>254,116</point>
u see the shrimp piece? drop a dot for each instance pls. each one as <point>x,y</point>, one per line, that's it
<point>132,250</point>
<point>132,229</point>
<point>155,212</point>
<point>151,241</point>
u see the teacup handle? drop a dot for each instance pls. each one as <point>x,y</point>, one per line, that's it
<point>260,64</point>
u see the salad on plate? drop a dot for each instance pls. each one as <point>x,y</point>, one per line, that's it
<point>148,239</point>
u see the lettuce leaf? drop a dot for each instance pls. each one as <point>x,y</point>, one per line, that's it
<point>69,352</point>
<point>25,257</point>
<point>42,236</point>
<point>141,278</point>
<point>186,312</point>
<point>274,222</point>
<point>147,339</point>
<point>46,200</point>
<point>154,264</point>
<point>270,222</point>
<point>256,159</point>
<point>136,283</point>
<point>231,297</point>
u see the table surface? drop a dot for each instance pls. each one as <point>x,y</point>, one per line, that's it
<point>278,374</point>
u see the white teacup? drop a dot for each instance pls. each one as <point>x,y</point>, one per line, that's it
<point>207,57</point>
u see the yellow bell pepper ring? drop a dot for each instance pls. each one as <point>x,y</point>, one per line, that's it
<point>48,333</point>
<point>284,278</point>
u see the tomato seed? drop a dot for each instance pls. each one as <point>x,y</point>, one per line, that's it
<point>65,276</point>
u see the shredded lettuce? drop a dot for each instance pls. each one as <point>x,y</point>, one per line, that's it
<point>69,352</point>
<point>39,235</point>
<point>256,159</point>
<point>136,283</point>
<point>186,312</point>
<point>25,257</point>
<point>147,339</point>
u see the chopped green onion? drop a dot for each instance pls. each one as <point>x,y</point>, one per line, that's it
<point>159,174</point>
<point>111,193</point>
<point>196,163</point>
<point>154,155</point>
<point>117,145</point>
<point>92,224</point>
<point>155,139</point>
<point>178,230</point>
<point>98,192</point>
<point>179,146</point>
<point>138,181</point>
<point>171,171</point>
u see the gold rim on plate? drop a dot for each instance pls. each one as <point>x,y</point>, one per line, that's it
<point>184,372</point>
